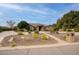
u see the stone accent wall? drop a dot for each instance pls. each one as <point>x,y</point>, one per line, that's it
<point>70,37</point>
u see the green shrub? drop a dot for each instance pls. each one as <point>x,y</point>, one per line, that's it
<point>44,36</point>
<point>35,35</point>
<point>69,30</point>
<point>13,44</point>
<point>29,31</point>
<point>65,37</point>
<point>37,31</point>
<point>2,28</point>
<point>20,33</point>
<point>52,31</point>
<point>1,31</point>
<point>76,29</point>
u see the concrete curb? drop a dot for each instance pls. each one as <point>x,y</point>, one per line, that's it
<point>37,46</point>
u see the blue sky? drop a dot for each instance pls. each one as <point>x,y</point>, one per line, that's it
<point>45,13</point>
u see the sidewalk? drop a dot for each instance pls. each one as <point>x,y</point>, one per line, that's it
<point>66,49</point>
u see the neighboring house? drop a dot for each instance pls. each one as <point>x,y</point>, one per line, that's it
<point>48,28</point>
<point>41,27</point>
<point>36,26</point>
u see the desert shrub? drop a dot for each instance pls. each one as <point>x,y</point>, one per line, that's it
<point>44,36</point>
<point>0,30</point>
<point>29,32</point>
<point>36,31</point>
<point>35,35</point>
<point>64,37</point>
<point>52,31</point>
<point>69,30</point>
<point>76,29</point>
<point>16,29</point>
<point>20,33</point>
<point>13,44</point>
<point>56,32</point>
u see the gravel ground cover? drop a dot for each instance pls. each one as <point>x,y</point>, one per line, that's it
<point>62,36</point>
<point>26,40</point>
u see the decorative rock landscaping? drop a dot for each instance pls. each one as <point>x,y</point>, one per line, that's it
<point>68,37</point>
<point>26,40</point>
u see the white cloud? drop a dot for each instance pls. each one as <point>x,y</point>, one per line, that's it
<point>34,10</point>
<point>43,9</point>
<point>21,9</point>
<point>1,13</point>
<point>69,8</point>
<point>10,6</point>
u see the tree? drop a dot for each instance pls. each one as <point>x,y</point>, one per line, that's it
<point>11,23</point>
<point>23,25</point>
<point>69,20</point>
